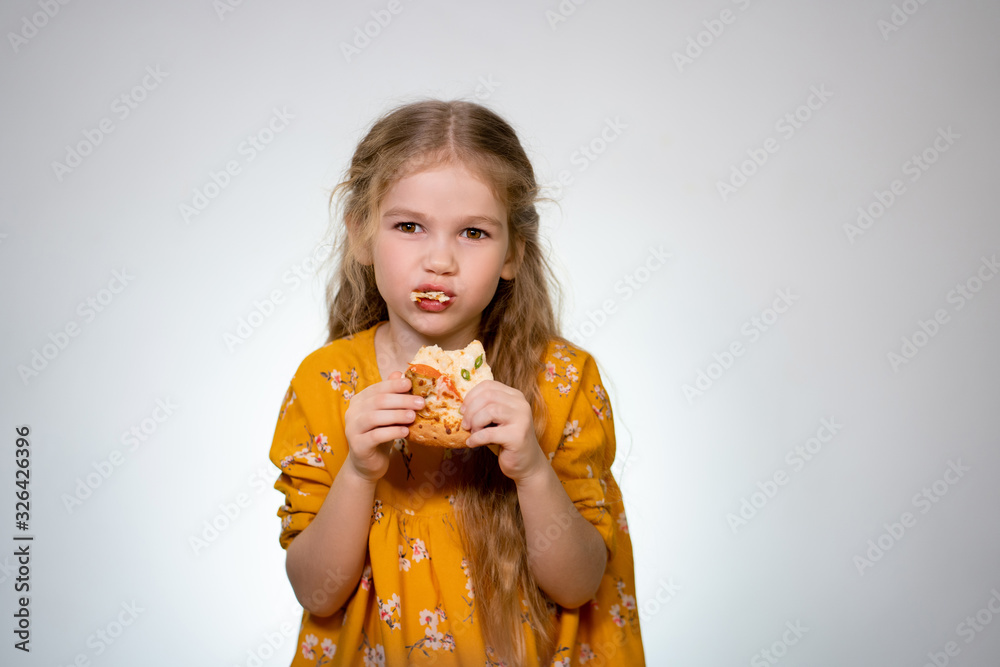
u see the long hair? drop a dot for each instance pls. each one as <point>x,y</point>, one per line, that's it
<point>515,330</point>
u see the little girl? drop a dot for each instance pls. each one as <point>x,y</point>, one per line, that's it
<point>516,553</point>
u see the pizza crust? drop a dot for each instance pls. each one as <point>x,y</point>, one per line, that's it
<point>442,378</point>
<point>431,431</point>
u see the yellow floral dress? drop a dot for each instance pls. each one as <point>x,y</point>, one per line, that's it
<point>415,602</point>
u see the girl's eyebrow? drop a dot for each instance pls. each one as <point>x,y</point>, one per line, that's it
<point>481,220</point>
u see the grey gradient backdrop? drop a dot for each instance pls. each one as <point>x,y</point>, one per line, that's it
<point>641,139</point>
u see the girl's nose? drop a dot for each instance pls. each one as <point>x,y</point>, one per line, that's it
<point>441,257</point>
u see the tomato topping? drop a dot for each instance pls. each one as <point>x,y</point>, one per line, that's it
<point>425,370</point>
<point>448,387</point>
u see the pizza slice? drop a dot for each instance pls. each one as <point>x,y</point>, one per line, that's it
<point>444,378</point>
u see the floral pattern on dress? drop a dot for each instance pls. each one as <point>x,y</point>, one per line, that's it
<point>570,433</point>
<point>470,589</point>
<point>492,660</point>
<point>337,381</point>
<point>399,444</point>
<point>626,609</point>
<point>327,650</point>
<point>377,513</point>
<point>310,452</point>
<point>601,398</point>
<point>287,402</point>
<point>374,656</point>
<point>404,562</point>
<point>388,610</point>
<point>586,654</point>
<point>433,639</point>
<point>568,372</point>
<point>623,523</point>
<point>419,550</point>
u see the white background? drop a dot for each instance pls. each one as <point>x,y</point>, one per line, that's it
<point>686,462</point>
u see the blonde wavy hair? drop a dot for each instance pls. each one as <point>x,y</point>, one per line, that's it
<point>515,329</point>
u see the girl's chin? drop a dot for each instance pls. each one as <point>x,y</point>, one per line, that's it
<point>436,326</point>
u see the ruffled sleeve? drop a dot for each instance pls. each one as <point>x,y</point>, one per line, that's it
<point>580,436</point>
<point>302,452</point>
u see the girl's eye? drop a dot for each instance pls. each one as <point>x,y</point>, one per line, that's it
<point>407,227</point>
<point>473,233</point>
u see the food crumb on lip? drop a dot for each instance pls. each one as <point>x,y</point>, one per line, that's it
<point>434,296</point>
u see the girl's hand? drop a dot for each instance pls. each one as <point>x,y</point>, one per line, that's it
<point>377,415</point>
<point>500,415</point>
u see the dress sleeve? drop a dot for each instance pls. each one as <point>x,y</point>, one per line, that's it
<point>586,443</point>
<point>298,450</point>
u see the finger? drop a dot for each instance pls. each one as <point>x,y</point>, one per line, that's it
<point>493,435</point>
<point>386,434</point>
<point>494,412</point>
<point>488,392</point>
<point>397,383</point>
<point>397,402</point>
<point>379,418</point>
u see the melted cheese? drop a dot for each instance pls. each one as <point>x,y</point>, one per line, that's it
<point>452,363</point>
<point>433,296</point>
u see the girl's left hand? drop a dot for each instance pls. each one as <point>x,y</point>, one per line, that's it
<point>500,415</point>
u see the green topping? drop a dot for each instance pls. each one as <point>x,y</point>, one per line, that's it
<point>479,361</point>
<point>466,375</point>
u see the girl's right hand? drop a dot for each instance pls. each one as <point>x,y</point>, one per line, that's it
<point>377,415</point>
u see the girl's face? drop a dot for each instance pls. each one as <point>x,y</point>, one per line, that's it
<point>440,229</point>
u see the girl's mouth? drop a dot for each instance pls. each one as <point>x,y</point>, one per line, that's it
<point>433,301</point>
<point>432,306</point>
<point>431,298</point>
